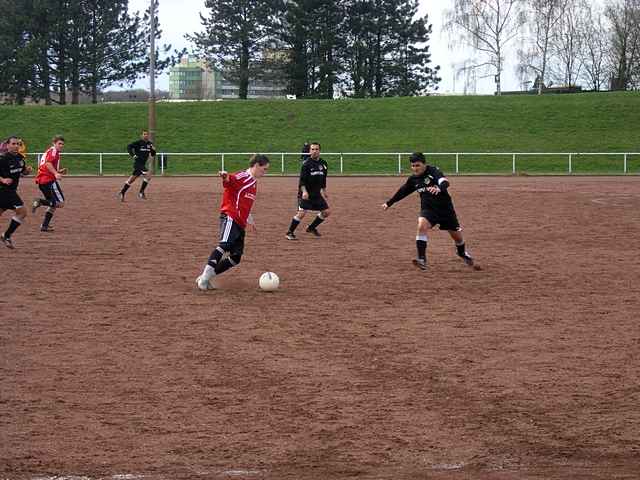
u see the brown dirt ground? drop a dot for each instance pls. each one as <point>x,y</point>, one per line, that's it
<point>113,366</point>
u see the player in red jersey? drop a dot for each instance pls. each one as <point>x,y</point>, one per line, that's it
<point>235,216</point>
<point>49,172</point>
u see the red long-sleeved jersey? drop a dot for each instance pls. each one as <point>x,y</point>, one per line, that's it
<point>239,194</point>
<point>44,175</point>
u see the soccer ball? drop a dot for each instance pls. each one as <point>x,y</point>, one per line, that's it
<point>269,281</point>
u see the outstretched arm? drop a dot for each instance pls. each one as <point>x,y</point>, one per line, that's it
<point>402,192</point>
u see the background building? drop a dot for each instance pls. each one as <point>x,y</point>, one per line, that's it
<point>192,79</point>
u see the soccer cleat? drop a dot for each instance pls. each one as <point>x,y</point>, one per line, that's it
<point>204,284</point>
<point>313,231</point>
<point>47,229</point>
<point>7,242</point>
<point>34,205</point>
<point>121,196</point>
<point>421,263</point>
<point>142,196</point>
<point>291,236</point>
<point>468,259</point>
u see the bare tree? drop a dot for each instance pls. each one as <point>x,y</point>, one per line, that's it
<point>545,16</point>
<point>487,26</point>
<point>624,16</point>
<point>595,46</point>
<point>568,44</point>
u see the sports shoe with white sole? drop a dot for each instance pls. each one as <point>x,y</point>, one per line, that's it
<point>466,258</point>
<point>204,284</point>
<point>421,263</point>
<point>291,236</point>
<point>7,242</point>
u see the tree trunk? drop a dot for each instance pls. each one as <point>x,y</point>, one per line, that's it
<point>244,71</point>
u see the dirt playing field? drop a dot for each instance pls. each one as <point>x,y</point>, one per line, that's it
<point>113,366</point>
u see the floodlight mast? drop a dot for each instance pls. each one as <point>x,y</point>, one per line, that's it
<point>152,79</point>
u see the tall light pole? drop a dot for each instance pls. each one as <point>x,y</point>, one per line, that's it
<point>152,80</point>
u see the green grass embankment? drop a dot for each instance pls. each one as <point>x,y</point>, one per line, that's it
<point>597,122</point>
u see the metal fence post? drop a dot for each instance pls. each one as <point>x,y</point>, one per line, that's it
<point>341,163</point>
<point>513,168</point>
<point>625,163</point>
<point>399,165</point>
<point>457,162</point>
<point>282,159</point>
<point>162,164</point>
<point>570,166</point>
<point>222,167</point>
<point>100,165</point>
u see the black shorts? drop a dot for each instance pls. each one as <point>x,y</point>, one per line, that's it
<point>231,238</point>
<point>10,200</point>
<point>52,192</point>
<point>317,203</point>
<point>447,220</point>
<point>139,168</point>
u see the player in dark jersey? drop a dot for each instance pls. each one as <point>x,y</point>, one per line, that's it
<point>12,167</point>
<point>436,207</point>
<point>312,193</point>
<point>140,151</point>
<point>240,190</point>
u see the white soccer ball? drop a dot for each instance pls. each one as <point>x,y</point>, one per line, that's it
<point>269,281</point>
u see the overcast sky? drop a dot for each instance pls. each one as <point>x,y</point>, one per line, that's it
<point>178,17</point>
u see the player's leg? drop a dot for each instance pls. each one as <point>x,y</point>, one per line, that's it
<point>295,221</point>
<point>230,235</point>
<point>458,238</point>
<point>39,202</point>
<point>16,221</point>
<point>235,247</point>
<point>146,178</point>
<point>321,217</point>
<point>128,184</point>
<point>421,242</point>
<point>54,195</point>
<point>318,204</point>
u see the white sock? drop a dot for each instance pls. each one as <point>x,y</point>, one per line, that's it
<point>208,272</point>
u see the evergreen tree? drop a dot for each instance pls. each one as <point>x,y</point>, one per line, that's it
<point>313,32</point>
<point>236,34</point>
<point>17,74</point>
<point>408,67</point>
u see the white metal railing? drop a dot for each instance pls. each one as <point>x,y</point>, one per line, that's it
<point>399,156</point>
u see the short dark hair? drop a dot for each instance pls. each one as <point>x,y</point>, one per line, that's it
<point>12,136</point>
<point>258,158</point>
<point>57,138</point>
<point>417,157</point>
<point>315,143</point>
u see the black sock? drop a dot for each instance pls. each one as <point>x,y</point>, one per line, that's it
<point>125,188</point>
<point>421,245</point>
<point>294,224</point>
<point>47,219</point>
<point>143,186</point>
<point>215,257</point>
<point>224,265</point>
<point>316,221</point>
<point>12,228</point>
<point>461,249</point>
